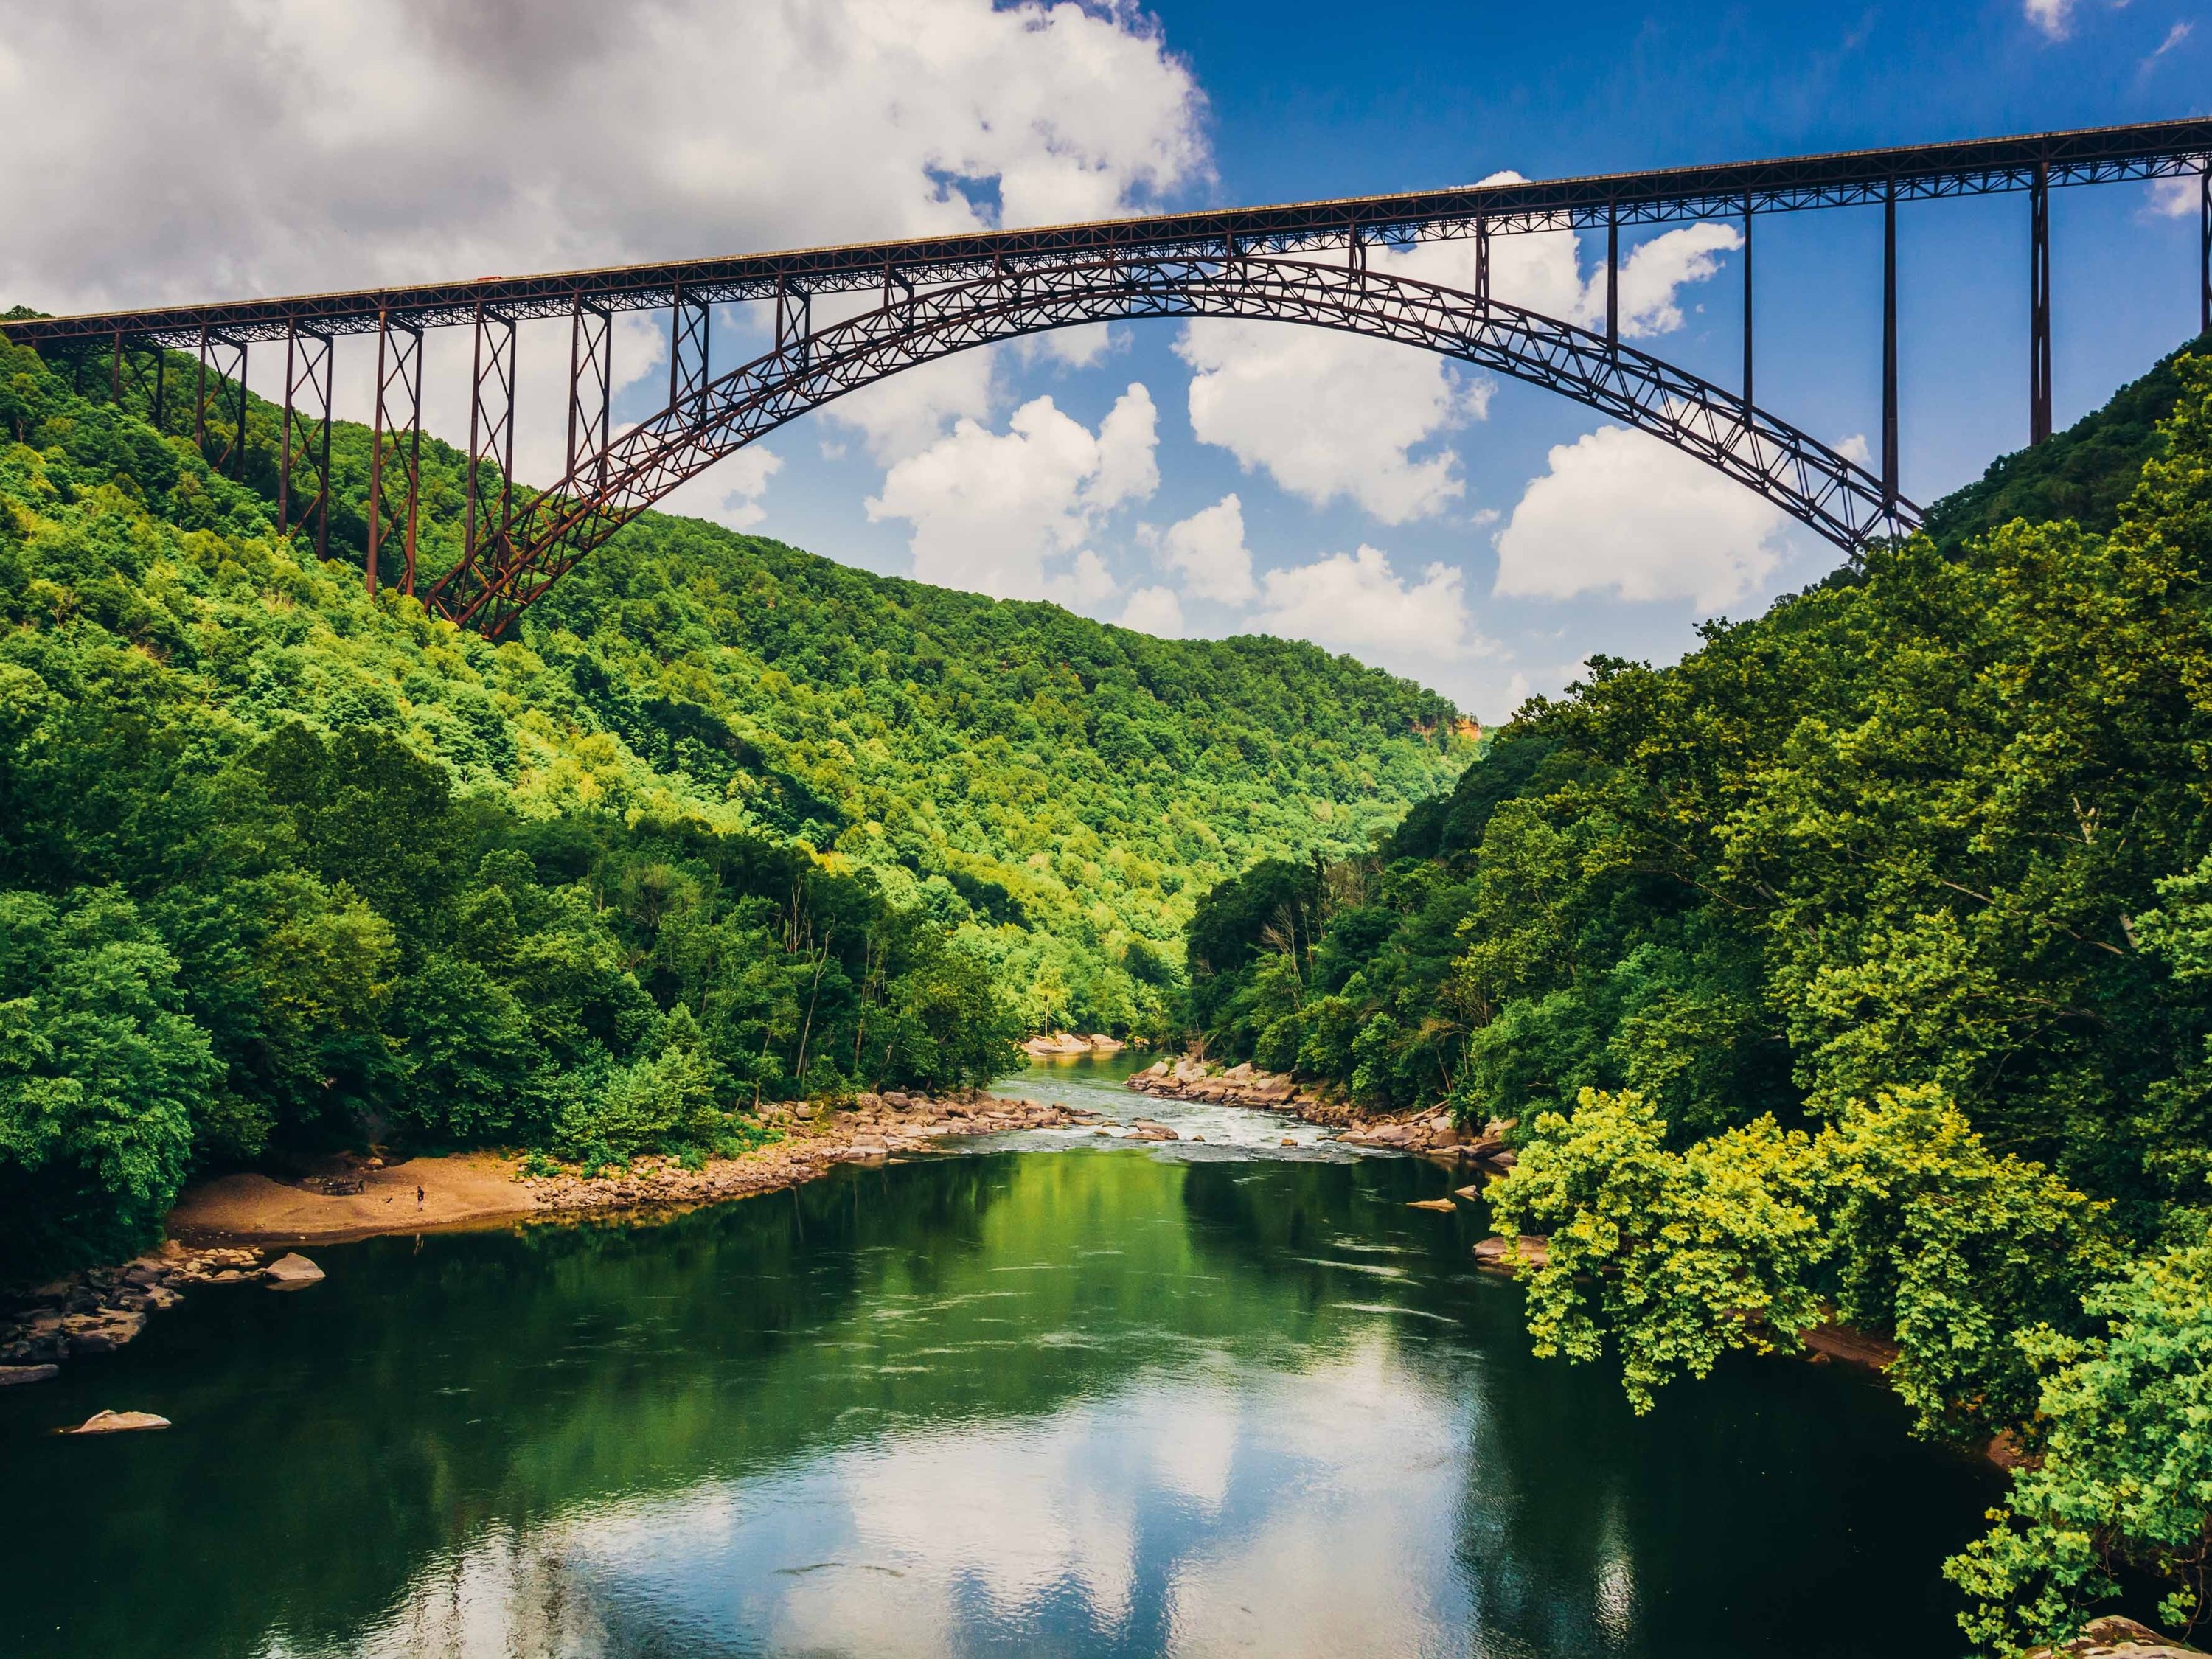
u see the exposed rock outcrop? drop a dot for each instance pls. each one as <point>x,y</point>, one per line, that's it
<point>118,1423</point>
<point>292,1272</point>
<point>99,1309</point>
<point>1508,1255</point>
<point>1064,1042</point>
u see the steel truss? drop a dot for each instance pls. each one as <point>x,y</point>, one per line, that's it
<point>306,436</point>
<point>547,534</point>
<point>491,439</point>
<point>396,426</point>
<point>231,456</point>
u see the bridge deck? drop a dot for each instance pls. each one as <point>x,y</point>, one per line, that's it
<point>1913,172</point>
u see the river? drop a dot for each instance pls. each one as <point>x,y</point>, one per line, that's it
<point>1060,1395</point>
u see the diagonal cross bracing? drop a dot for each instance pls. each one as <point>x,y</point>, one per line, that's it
<point>606,490</point>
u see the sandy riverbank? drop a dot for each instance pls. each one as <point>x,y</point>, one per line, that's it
<point>359,1199</point>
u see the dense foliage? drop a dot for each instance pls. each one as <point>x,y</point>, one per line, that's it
<point>1858,966</point>
<point>282,864</point>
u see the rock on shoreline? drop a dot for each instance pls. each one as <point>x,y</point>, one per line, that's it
<point>99,1309</point>
<point>1063,1042</point>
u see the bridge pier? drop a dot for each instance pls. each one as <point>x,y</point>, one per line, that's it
<point>591,381</point>
<point>1747,397</point>
<point>2038,306</point>
<point>232,458</point>
<point>688,329</point>
<point>2204,252</point>
<point>398,370</point>
<point>1889,447</point>
<point>491,437</point>
<point>307,370</point>
<point>1613,278</point>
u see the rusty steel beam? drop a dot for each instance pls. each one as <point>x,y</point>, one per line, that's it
<point>1665,196</point>
<point>307,423</point>
<point>397,419</point>
<point>590,380</point>
<point>1889,446</point>
<point>1814,484</point>
<point>2039,310</point>
<point>689,324</point>
<point>485,523</point>
<point>231,458</point>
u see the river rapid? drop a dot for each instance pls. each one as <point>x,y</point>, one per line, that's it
<point>1048,1393</point>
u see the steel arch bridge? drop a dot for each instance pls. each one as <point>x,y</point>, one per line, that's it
<point>943,295</point>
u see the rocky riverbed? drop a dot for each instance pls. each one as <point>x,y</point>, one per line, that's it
<point>1429,1133</point>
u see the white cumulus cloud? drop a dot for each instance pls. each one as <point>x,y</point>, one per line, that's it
<point>1007,512</point>
<point>1328,414</point>
<point>1207,550</point>
<point>1621,512</point>
<point>1355,602</point>
<point>1154,611</point>
<point>398,141</point>
<point>2055,18</point>
<point>1331,416</point>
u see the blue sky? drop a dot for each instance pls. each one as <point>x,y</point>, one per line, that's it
<point>1476,534</point>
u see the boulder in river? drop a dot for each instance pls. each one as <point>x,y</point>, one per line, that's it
<point>1508,1255</point>
<point>11,1375</point>
<point>118,1423</point>
<point>291,1271</point>
<point>1443,1205</point>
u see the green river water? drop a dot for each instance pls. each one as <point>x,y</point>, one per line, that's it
<point>1054,1394</point>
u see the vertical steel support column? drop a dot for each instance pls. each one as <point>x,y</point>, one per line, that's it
<point>2204,253</point>
<point>115,372</point>
<point>199,399</point>
<point>491,434</point>
<point>307,369</point>
<point>591,385</point>
<point>238,446</point>
<point>1747,397</point>
<point>1612,276</point>
<point>1482,261</point>
<point>2039,306</point>
<point>1889,343</point>
<point>398,367</point>
<point>687,344</point>
<point>160,384</point>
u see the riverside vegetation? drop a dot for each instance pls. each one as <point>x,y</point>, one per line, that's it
<point>1857,966</point>
<point>283,866</point>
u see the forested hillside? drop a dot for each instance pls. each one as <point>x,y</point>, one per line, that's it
<point>1858,965</point>
<point>282,864</point>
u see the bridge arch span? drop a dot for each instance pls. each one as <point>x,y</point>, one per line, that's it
<point>547,536</point>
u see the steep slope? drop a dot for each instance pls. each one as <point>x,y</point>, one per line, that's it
<point>280,863</point>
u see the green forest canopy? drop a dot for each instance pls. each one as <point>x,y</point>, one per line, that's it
<point>1858,965</point>
<point>284,864</point>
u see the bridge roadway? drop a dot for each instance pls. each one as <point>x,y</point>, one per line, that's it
<point>1911,173</point>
